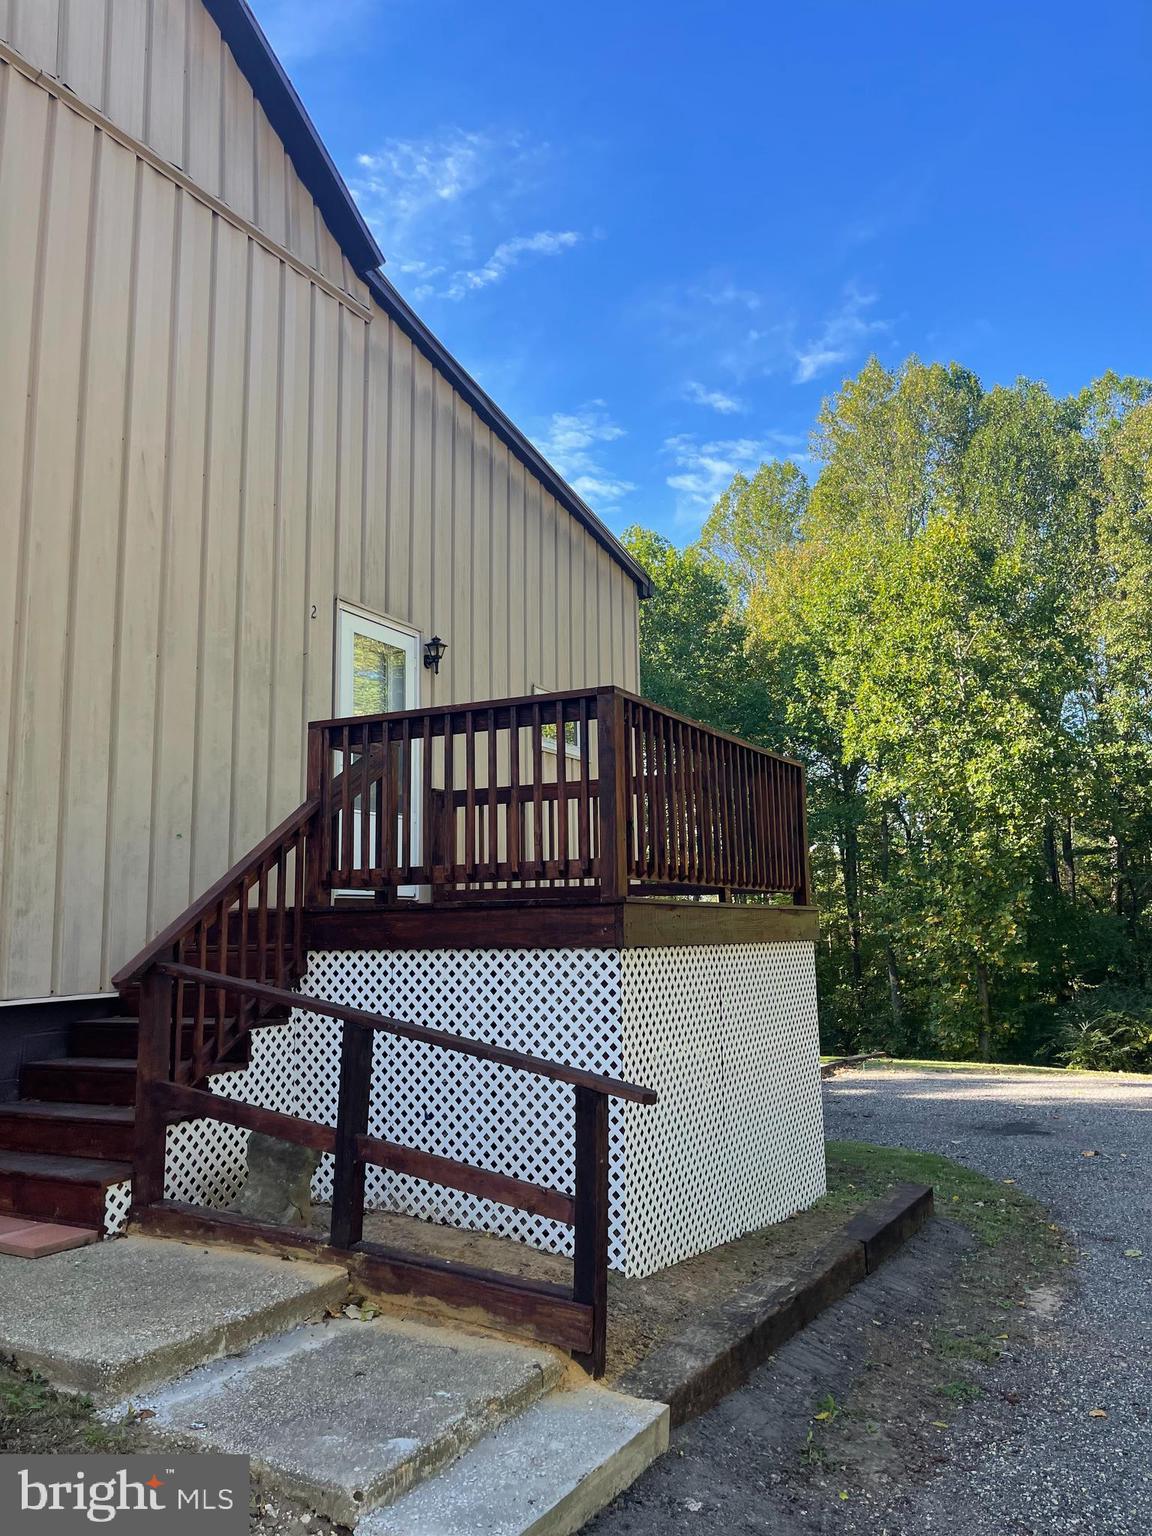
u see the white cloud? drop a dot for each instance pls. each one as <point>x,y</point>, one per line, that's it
<point>727,405</point>
<point>301,29</point>
<point>843,335</point>
<point>704,470</point>
<point>508,254</point>
<point>572,442</point>
<point>436,202</point>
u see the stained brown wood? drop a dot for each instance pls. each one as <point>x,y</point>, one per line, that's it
<point>197,1103</point>
<point>544,1312</point>
<point>351,1123</point>
<point>523,1196</point>
<point>590,1261</point>
<point>480,1049</point>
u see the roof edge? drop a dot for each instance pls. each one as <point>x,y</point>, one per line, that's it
<point>399,310</point>
<point>289,117</point>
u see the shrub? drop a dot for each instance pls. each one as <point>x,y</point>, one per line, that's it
<point>1107,1029</point>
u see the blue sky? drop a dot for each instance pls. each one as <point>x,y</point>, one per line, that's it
<point>659,234</point>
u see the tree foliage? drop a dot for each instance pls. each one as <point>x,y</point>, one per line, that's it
<point>952,626</point>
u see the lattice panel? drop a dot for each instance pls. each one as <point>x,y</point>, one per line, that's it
<point>117,1203</point>
<point>562,1004</point>
<point>728,1037</point>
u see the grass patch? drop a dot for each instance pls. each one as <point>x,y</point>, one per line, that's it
<point>997,1212</point>
<point>36,1420</point>
<point>915,1064</point>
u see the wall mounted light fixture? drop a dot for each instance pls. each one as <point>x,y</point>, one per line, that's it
<point>434,653</point>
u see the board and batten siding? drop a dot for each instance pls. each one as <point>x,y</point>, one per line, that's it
<point>204,445</point>
<point>160,70</point>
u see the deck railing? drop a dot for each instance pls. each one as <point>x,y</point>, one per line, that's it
<point>585,794</point>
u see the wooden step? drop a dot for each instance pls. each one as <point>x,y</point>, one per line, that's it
<point>114,1036</point>
<point>50,1188</point>
<point>80,1080</point>
<point>68,1130</point>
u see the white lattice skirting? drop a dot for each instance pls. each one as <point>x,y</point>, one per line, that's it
<point>726,1034</point>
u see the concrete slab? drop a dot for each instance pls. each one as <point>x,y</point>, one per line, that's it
<point>111,1318</point>
<point>545,1473</point>
<point>345,1415</point>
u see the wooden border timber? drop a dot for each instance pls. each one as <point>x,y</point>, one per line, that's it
<point>637,923</point>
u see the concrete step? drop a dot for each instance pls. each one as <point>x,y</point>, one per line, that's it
<point>347,1416</point>
<point>116,1317</point>
<point>544,1473</point>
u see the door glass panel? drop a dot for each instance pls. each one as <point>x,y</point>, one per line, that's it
<point>379,675</point>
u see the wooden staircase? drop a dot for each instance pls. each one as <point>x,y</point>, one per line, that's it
<point>70,1134</point>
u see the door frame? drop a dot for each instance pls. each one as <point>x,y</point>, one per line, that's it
<point>391,630</point>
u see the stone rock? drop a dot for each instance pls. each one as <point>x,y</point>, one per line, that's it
<point>279,1184</point>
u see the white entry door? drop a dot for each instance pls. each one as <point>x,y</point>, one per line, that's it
<point>377,672</point>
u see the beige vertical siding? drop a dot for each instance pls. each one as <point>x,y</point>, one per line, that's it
<point>160,70</point>
<point>203,448</point>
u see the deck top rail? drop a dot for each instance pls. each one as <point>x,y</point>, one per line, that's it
<point>581,794</point>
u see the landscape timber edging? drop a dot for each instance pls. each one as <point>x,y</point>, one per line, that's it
<point>723,1347</point>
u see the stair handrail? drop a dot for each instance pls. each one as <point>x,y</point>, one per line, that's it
<point>521,1061</point>
<point>162,945</point>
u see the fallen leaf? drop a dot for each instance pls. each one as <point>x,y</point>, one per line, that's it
<point>1007,1181</point>
<point>1133,1253</point>
<point>820,1417</point>
<point>1097,1413</point>
<point>146,1413</point>
<point>1090,1153</point>
<point>843,1493</point>
<point>939,1424</point>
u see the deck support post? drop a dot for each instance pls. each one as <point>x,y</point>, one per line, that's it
<point>153,1067</point>
<point>351,1122</point>
<point>612,767</point>
<point>590,1263</point>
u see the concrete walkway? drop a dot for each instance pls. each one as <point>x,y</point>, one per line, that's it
<point>1029,1459</point>
<point>425,1429</point>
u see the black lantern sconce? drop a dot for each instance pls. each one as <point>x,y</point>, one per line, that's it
<point>434,653</point>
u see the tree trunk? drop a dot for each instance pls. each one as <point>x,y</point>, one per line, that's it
<point>1050,853</point>
<point>1068,854</point>
<point>985,1012</point>
<point>894,988</point>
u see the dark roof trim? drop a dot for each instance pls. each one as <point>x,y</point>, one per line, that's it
<point>285,111</point>
<point>399,310</point>
<point>316,169</point>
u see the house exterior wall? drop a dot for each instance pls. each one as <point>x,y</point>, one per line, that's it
<point>726,1034</point>
<point>205,442</point>
<point>160,70</point>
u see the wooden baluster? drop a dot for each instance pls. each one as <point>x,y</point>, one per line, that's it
<point>470,795</point>
<point>303,842</point>
<point>404,791</point>
<point>346,844</point>
<point>280,970</point>
<point>560,846</point>
<point>537,793</point>
<point>262,923</point>
<point>493,840</point>
<point>221,994</point>
<point>318,783</point>
<point>515,824</point>
<point>198,1025</point>
<point>583,831</point>
<point>450,859</point>
<point>802,894</point>
<point>157,1039</point>
<point>590,1259</point>
<point>367,859</point>
<point>355,1094</point>
<point>427,813</point>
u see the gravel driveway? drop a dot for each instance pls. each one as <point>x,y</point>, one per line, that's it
<point>1030,1459</point>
